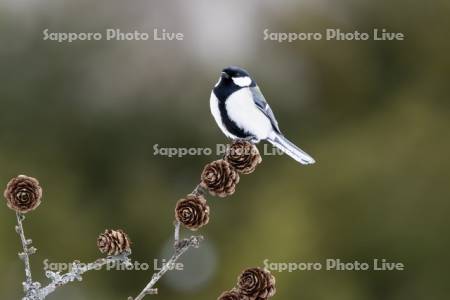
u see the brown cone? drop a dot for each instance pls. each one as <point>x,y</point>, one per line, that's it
<point>233,295</point>
<point>256,283</point>
<point>219,178</point>
<point>192,211</point>
<point>243,156</point>
<point>23,194</point>
<point>113,242</point>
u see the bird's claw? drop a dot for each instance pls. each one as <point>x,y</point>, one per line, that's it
<point>251,139</point>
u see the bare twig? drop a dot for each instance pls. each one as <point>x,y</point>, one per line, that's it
<point>27,250</point>
<point>79,269</point>
<point>199,190</point>
<point>176,234</point>
<point>33,290</point>
<point>180,247</point>
<point>30,288</point>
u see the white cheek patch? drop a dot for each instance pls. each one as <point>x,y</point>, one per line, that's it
<point>242,81</point>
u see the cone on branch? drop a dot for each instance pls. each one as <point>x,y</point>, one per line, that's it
<point>243,156</point>
<point>192,211</point>
<point>113,242</point>
<point>233,295</point>
<point>219,178</point>
<point>256,283</point>
<point>23,194</point>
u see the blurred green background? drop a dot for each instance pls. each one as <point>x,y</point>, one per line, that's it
<point>83,118</point>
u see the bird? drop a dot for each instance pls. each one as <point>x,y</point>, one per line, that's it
<point>241,112</point>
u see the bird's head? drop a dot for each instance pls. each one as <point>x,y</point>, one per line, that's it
<point>235,76</point>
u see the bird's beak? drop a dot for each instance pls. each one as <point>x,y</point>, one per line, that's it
<point>225,75</point>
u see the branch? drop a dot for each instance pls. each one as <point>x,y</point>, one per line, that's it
<point>218,178</point>
<point>180,247</point>
<point>77,270</point>
<point>33,290</point>
<point>28,285</point>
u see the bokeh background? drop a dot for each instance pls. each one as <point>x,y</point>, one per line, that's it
<point>83,118</point>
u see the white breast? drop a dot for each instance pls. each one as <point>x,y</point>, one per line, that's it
<point>244,112</point>
<point>214,106</point>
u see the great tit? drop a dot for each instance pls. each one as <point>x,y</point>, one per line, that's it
<point>242,112</point>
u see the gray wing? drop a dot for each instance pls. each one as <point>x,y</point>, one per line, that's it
<point>262,104</point>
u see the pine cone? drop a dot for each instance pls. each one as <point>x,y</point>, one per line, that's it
<point>192,211</point>
<point>23,194</point>
<point>113,242</point>
<point>219,178</point>
<point>243,156</point>
<point>233,295</point>
<point>256,283</point>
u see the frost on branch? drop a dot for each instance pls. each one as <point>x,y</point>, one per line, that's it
<point>219,178</point>
<point>23,194</point>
